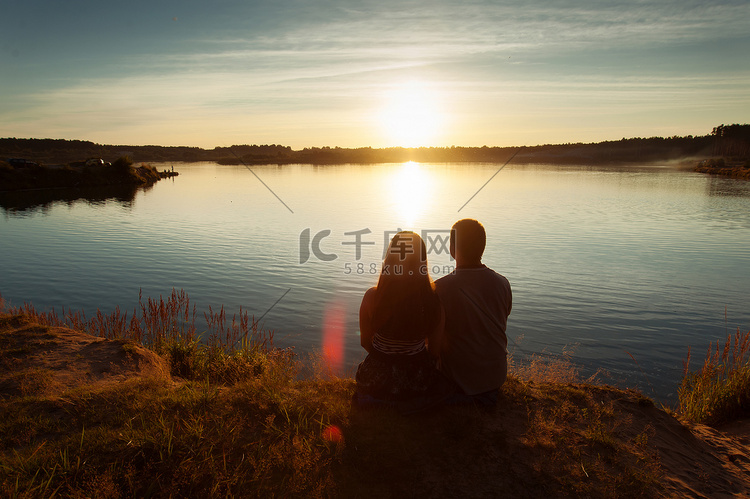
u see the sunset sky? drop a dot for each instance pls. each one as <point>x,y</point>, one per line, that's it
<point>371,73</point>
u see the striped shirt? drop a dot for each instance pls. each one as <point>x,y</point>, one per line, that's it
<point>389,346</point>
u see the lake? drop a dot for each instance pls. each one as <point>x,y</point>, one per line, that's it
<point>627,266</point>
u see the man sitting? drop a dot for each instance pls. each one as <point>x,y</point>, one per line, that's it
<point>472,349</point>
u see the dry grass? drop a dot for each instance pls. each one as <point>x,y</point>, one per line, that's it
<point>244,422</point>
<point>548,368</point>
<point>720,390</point>
<point>148,438</point>
<point>581,434</point>
<point>239,423</point>
<point>543,440</point>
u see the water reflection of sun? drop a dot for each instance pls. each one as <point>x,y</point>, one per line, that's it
<point>410,188</point>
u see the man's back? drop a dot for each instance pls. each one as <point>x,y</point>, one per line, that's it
<point>477,302</point>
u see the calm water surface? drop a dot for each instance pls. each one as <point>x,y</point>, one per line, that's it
<point>644,261</point>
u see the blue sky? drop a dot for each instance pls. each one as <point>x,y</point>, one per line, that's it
<point>350,74</point>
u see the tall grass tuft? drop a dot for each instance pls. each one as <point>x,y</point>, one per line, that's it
<point>226,351</point>
<point>548,368</point>
<point>720,390</point>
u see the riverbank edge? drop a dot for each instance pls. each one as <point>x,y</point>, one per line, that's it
<point>739,169</point>
<point>274,432</point>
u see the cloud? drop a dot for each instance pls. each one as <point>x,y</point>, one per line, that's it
<point>473,36</point>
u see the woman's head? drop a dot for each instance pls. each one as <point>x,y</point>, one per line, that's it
<point>405,259</point>
<point>405,297</point>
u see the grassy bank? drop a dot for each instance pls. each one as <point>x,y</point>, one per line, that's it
<point>234,416</point>
<point>122,172</point>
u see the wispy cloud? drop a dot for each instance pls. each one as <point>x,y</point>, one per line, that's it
<point>367,40</point>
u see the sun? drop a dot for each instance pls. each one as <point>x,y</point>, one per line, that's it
<point>411,115</point>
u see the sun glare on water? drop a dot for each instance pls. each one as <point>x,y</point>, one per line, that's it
<point>410,188</point>
<point>411,115</point>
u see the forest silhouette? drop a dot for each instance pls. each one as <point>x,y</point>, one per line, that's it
<point>724,140</point>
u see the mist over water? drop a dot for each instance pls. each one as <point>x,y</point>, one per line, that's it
<point>639,261</point>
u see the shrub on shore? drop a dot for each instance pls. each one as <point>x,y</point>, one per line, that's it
<point>123,164</point>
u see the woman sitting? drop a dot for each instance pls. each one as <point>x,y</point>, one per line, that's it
<point>395,320</point>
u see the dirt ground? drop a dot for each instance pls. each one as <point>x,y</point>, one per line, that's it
<point>508,450</point>
<point>41,360</point>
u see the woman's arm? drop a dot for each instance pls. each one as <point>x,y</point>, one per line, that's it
<point>365,320</point>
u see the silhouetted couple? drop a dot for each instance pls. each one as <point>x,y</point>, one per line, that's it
<point>434,342</point>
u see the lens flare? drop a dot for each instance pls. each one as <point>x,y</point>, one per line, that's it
<point>333,336</point>
<point>333,434</point>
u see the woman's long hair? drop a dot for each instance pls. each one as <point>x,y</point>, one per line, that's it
<point>406,306</point>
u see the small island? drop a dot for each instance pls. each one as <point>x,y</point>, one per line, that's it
<point>19,174</point>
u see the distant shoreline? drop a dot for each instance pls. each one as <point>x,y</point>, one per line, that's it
<point>725,151</point>
<point>624,151</point>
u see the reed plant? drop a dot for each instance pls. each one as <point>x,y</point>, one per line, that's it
<point>720,390</point>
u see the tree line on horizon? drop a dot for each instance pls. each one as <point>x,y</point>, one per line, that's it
<point>723,141</point>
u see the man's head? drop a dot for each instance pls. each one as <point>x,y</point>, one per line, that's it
<point>468,239</point>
